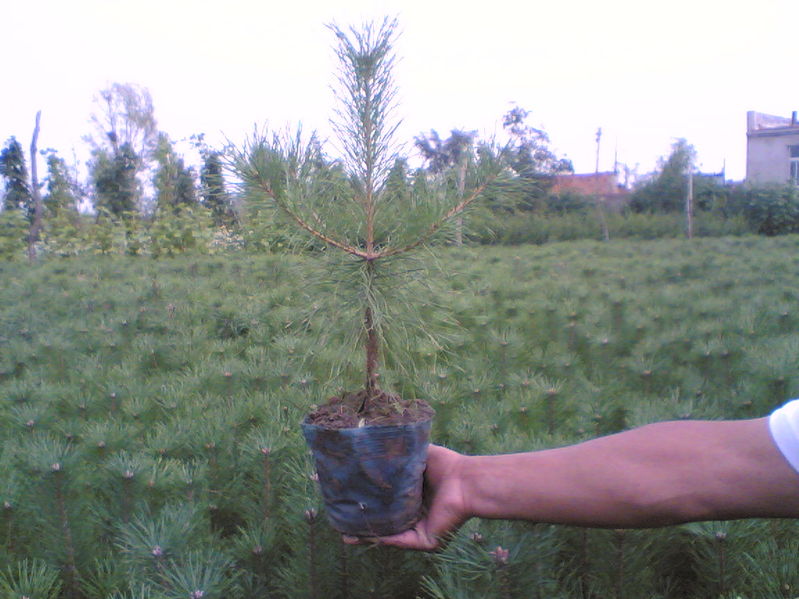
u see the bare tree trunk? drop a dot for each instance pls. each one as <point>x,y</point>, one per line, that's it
<point>36,225</point>
<point>603,221</point>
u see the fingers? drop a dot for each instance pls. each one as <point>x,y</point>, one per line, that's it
<point>414,539</point>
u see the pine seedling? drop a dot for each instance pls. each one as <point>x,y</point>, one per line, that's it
<point>51,465</point>
<point>10,496</point>
<point>30,417</point>
<point>254,549</point>
<point>106,577</point>
<point>125,473</point>
<point>150,541</point>
<point>260,446</point>
<point>718,552</point>
<point>34,579</point>
<point>347,207</point>
<point>766,566</point>
<point>205,574</point>
<point>550,392</point>
<point>103,438</point>
<point>576,571</point>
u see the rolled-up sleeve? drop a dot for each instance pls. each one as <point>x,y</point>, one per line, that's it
<point>784,427</point>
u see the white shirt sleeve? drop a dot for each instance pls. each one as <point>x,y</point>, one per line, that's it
<point>784,426</point>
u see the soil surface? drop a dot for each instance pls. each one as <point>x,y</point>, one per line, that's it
<point>382,409</point>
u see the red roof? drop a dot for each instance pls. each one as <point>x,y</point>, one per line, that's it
<point>600,184</point>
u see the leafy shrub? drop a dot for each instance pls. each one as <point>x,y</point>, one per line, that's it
<point>524,227</point>
<point>183,230</point>
<point>13,231</point>
<point>66,234</point>
<point>769,209</point>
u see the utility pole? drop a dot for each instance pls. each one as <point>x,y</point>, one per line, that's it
<point>598,138</point>
<point>689,204</point>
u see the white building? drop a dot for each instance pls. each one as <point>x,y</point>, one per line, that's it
<point>772,148</point>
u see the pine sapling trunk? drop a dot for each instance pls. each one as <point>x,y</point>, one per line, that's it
<point>372,347</point>
<point>584,592</point>
<point>501,557</point>
<point>8,518</point>
<point>619,584</point>
<point>721,537</point>
<point>344,571</point>
<point>310,518</point>
<point>266,489</point>
<point>127,495</point>
<point>372,340</point>
<point>71,570</point>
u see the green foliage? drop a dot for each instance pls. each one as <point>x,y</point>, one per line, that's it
<point>173,181</point>
<point>529,153</point>
<point>522,227</point>
<point>34,579</point>
<point>149,414</point>
<point>350,206</point>
<point>13,234</point>
<point>66,234</point>
<point>185,230</point>
<point>212,189</point>
<point>62,193</point>
<point>123,116</point>
<point>770,210</point>
<point>17,194</point>
<point>114,179</point>
<point>666,191</point>
<point>125,137</point>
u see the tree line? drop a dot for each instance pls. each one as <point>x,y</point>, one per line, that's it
<point>140,192</point>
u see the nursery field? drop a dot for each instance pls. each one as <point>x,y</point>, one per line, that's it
<point>149,416</point>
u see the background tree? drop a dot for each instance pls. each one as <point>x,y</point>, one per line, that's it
<point>442,155</point>
<point>114,179</point>
<point>62,190</point>
<point>451,156</point>
<point>173,180</point>
<point>12,168</point>
<point>213,193</point>
<point>122,145</point>
<point>125,115</point>
<point>529,155</point>
<point>665,191</point>
<point>399,184</point>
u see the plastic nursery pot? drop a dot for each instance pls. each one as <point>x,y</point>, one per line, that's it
<point>371,476</point>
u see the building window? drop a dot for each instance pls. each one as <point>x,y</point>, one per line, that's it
<point>794,158</point>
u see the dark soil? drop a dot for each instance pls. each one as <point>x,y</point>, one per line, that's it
<point>349,410</point>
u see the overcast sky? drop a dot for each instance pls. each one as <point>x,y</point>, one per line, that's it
<point>645,72</point>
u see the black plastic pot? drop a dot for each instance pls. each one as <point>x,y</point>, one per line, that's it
<point>371,477</point>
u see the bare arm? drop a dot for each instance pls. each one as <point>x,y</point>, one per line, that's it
<point>656,475</point>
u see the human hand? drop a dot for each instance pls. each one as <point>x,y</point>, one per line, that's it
<point>445,509</point>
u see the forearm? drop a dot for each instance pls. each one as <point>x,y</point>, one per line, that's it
<point>661,474</point>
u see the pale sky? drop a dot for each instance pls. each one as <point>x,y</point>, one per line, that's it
<point>646,72</point>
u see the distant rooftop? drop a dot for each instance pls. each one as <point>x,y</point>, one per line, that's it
<point>758,123</point>
<point>601,184</point>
